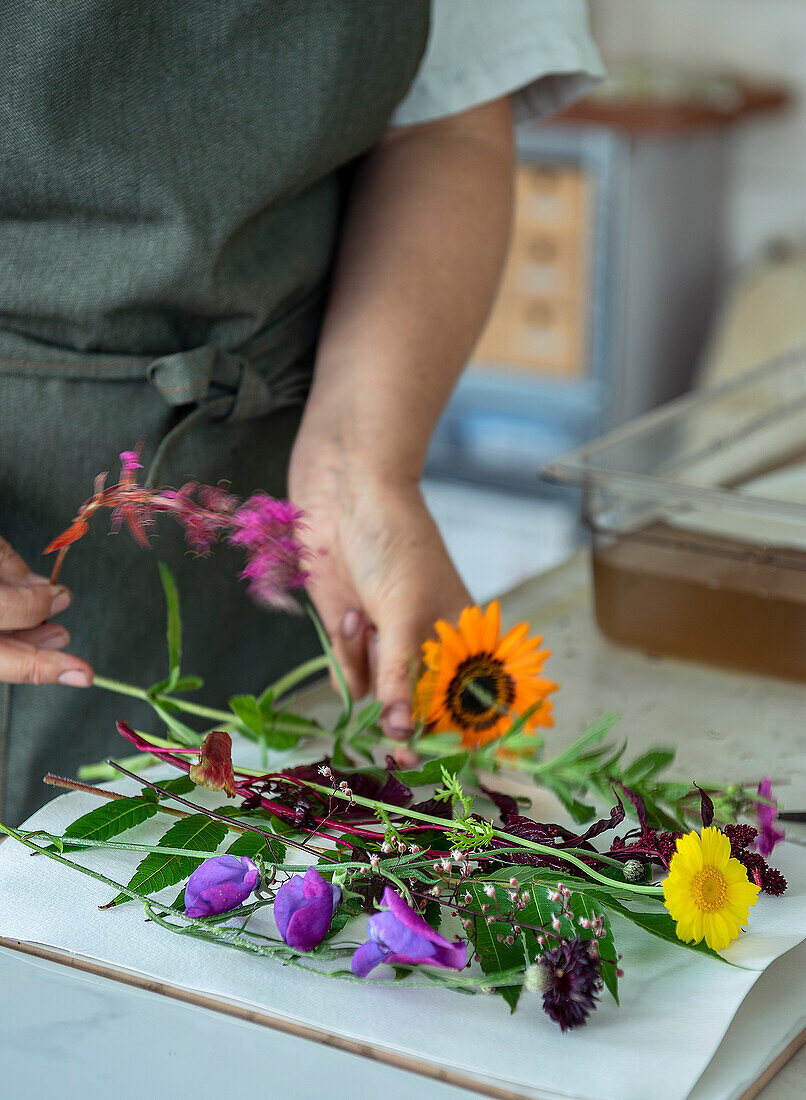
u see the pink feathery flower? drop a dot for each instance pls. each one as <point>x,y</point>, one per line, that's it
<point>130,460</point>
<point>768,835</point>
<point>273,571</point>
<point>261,519</point>
<point>217,499</point>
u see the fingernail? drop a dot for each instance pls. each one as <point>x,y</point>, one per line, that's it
<point>74,677</point>
<point>35,578</point>
<point>61,601</point>
<point>350,623</point>
<point>406,757</point>
<point>397,720</point>
<point>54,639</point>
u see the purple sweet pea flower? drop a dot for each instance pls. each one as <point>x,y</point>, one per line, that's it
<point>304,908</point>
<point>768,835</point>
<point>220,884</point>
<point>399,935</point>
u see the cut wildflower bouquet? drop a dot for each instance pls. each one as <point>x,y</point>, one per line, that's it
<point>337,860</point>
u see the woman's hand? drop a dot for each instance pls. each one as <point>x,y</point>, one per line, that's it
<point>381,576</point>
<point>420,252</point>
<point>29,644</point>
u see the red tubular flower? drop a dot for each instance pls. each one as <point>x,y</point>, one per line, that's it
<point>214,769</point>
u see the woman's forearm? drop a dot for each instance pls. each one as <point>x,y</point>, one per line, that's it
<point>422,248</point>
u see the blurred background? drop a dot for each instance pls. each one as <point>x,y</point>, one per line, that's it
<point>659,244</point>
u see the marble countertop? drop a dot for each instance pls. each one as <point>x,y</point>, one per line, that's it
<point>82,1035</point>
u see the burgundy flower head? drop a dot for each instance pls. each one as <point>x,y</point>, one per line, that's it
<point>572,982</point>
<point>214,769</point>
<point>769,879</point>
<point>399,935</point>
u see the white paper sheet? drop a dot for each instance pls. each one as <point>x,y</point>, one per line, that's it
<point>676,1004</point>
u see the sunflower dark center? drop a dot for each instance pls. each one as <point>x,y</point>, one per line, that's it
<point>480,692</point>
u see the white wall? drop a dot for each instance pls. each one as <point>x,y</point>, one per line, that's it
<point>764,38</point>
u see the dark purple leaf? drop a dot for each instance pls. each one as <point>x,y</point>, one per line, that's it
<point>598,827</point>
<point>507,806</point>
<point>640,807</point>
<point>706,807</point>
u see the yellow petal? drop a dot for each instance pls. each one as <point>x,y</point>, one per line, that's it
<point>715,848</point>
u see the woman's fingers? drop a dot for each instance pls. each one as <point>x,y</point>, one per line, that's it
<point>351,650</point>
<point>46,636</point>
<point>23,606</point>
<point>23,663</point>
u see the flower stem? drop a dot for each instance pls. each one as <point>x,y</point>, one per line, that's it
<point>282,686</point>
<point>519,842</point>
<point>221,717</point>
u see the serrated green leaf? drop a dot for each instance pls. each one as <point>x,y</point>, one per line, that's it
<point>181,784</point>
<point>337,924</point>
<point>494,955</point>
<point>110,819</point>
<point>173,631</point>
<point>156,871</point>
<point>253,844</point>
<point>431,772</point>
<point>432,914</point>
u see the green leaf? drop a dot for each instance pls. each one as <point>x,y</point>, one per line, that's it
<point>580,811</point>
<point>173,631</point>
<point>661,925</point>
<point>595,733</point>
<point>197,832</point>
<point>182,784</point>
<point>582,906</point>
<point>110,819</point>
<point>432,771</point>
<point>496,956</point>
<point>247,710</point>
<point>432,914</point>
<point>188,683</point>
<point>339,757</point>
<point>366,717</point>
<point>256,845</point>
<point>647,765</point>
<point>340,919</point>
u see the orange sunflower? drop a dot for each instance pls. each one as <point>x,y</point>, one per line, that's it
<point>477,682</point>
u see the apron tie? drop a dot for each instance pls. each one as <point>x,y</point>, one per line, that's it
<point>225,382</point>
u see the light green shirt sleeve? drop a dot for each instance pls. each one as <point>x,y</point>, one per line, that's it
<point>538,51</point>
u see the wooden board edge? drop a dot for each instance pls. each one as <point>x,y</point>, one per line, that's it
<point>789,1051</point>
<point>276,1023</point>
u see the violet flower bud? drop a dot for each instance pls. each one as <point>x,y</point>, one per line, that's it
<point>219,884</point>
<point>304,908</point>
<point>399,935</point>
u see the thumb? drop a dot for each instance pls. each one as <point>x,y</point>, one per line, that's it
<point>398,666</point>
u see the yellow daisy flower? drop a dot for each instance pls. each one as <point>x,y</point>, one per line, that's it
<point>707,891</point>
<point>505,671</point>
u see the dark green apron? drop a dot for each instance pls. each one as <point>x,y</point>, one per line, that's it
<point>171,180</point>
